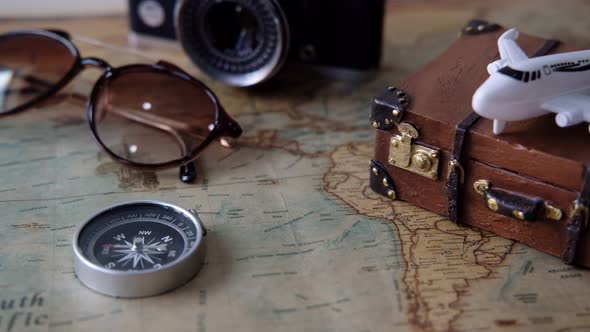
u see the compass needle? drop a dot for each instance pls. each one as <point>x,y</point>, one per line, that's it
<point>147,258</point>
<point>123,251</point>
<point>126,258</point>
<point>136,259</point>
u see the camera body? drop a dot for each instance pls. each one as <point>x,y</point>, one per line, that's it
<point>335,33</point>
<point>245,42</point>
<point>153,18</point>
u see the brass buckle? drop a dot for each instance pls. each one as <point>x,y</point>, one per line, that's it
<point>454,165</point>
<point>578,208</point>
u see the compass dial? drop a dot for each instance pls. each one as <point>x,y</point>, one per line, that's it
<point>137,237</point>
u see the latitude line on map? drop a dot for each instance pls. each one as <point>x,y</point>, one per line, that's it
<point>161,189</point>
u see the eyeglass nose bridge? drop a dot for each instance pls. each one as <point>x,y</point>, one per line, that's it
<point>96,63</point>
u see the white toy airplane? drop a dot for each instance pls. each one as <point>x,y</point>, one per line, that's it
<point>520,87</point>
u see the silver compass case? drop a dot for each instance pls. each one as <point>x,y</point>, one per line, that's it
<point>131,283</point>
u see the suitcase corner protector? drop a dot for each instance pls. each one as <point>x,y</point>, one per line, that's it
<point>381,182</point>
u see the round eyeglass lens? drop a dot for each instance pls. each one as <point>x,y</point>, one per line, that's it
<point>30,65</point>
<point>152,117</point>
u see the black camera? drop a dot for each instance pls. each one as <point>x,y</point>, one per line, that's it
<point>245,42</point>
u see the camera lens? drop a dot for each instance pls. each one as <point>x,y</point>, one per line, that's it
<point>232,29</point>
<point>239,42</point>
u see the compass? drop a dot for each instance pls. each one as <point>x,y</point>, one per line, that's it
<point>139,248</point>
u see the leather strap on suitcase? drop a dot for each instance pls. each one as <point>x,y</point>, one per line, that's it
<point>578,220</point>
<point>456,171</point>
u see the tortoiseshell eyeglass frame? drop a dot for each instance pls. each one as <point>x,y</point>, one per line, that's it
<point>223,128</point>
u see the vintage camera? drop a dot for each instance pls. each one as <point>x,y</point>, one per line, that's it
<point>245,42</point>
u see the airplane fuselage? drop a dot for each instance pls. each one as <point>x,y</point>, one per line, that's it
<point>517,91</point>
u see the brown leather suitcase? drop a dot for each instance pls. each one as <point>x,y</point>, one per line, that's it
<point>530,184</point>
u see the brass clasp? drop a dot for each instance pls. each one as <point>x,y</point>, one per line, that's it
<point>455,165</point>
<point>405,154</point>
<point>577,208</point>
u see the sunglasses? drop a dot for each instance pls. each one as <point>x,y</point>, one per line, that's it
<point>144,116</point>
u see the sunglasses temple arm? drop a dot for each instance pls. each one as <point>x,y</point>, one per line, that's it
<point>228,130</point>
<point>61,33</point>
<point>188,173</point>
<point>35,83</point>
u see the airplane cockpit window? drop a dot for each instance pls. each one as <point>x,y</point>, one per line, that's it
<point>516,74</point>
<point>519,75</point>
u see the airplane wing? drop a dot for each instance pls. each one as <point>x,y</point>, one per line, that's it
<point>571,109</point>
<point>510,52</point>
<point>509,49</point>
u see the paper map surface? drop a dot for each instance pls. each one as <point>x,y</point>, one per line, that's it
<point>297,242</point>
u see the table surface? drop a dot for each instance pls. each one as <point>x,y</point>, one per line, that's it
<point>297,240</point>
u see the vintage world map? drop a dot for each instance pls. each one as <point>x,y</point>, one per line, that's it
<point>297,242</point>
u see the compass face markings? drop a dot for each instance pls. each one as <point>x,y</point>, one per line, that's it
<point>137,245</point>
<point>138,239</point>
<point>139,251</point>
<point>158,242</point>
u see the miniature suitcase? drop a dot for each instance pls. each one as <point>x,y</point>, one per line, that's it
<point>530,184</point>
